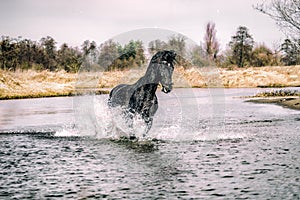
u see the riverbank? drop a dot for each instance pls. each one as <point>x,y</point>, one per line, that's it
<point>31,84</point>
<point>284,97</point>
<point>34,84</point>
<point>287,102</point>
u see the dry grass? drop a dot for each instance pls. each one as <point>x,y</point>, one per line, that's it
<point>40,84</point>
<point>35,84</point>
<point>280,76</point>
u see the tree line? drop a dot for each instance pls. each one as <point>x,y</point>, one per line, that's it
<point>22,54</point>
<point>18,53</point>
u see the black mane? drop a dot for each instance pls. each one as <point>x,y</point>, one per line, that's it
<point>164,56</point>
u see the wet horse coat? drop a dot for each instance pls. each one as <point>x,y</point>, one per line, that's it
<point>140,98</point>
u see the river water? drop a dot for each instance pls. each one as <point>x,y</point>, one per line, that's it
<point>210,144</point>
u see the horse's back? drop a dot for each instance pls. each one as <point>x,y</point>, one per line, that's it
<point>118,96</point>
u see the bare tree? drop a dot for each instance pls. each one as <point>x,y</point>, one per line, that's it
<point>286,13</point>
<point>211,44</point>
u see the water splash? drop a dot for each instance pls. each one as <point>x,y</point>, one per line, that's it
<point>67,132</point>
<point>183,115</point>
<point>177,119</point>
<point>94,118</point>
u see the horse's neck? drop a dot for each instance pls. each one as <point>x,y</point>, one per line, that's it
<point>148,79</point>
<point>151,75</point>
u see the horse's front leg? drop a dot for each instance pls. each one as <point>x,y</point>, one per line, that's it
<point>129,121</point>
<point>149,125</point>
<point>148,115</point>
<point>148,121</point>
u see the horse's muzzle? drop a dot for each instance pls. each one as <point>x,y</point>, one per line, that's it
<point>166,89</point>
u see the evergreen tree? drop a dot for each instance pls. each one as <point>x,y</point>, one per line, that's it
<point>291,52</point>
<point>113,56</point>
<point>241,45</point>
<point>131,55</point>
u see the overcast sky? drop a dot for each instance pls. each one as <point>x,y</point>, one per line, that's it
<point>73,21</point>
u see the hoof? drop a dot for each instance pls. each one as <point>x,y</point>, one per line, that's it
<point>132,137</point>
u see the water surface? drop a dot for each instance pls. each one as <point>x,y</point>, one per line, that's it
<point>212,145</point>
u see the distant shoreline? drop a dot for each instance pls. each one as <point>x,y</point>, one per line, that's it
<point>36,84</point>
<point>287,102</point>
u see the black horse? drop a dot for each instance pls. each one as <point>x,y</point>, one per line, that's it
<point>139,98</point>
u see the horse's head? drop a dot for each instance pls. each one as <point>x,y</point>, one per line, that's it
<point>165,61</point>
